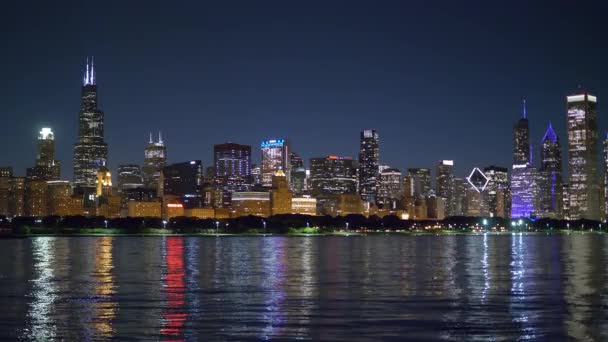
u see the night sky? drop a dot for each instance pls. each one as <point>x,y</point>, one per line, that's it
<point>437,80</point>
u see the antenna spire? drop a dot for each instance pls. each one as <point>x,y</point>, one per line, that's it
<point>92,80</point>
<point>86,75</point>
<point>151,137</point>
<point>160,137</point>
<point>525,115</point>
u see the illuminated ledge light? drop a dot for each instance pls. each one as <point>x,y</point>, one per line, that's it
<point>581,98</point>
<point>447,162</point>
<point>520,166</point>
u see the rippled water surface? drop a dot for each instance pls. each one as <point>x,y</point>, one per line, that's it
<point>482,287</point>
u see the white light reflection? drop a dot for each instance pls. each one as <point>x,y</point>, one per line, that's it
<point>274,269</point>
<point>41,326</point>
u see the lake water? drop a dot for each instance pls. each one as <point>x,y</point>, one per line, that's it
<point>468,288</point>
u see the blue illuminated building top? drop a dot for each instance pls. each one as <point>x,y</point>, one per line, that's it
<point>550,134</point>
<point>273,143</point>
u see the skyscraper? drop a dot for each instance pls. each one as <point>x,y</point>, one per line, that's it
<point>275,157</point>
<point>184,181</point>
<point>47,168</point>
<point>550,176</point>
<point>524,188</point>
<point>232,170</point>
<point>129,177</point>
<point>333,175</point>
<point>155,158</point>
<point>582,156</point>
<point>497,198</point>
<point>421,181</point>
<point>368,165</point>
<point>445,184</point>
<point>389,187</point>
<point>605,207</point>
<point>91,151</point>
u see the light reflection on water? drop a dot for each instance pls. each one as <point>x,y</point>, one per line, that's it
<point>483,287</point>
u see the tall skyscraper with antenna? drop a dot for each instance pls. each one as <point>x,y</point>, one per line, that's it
<point>91,151</point>
<point>550,176</point>
<point>524,188</point>
<point>155,158</point>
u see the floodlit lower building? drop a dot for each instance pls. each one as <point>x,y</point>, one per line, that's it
<point>36,198</point>
<point>201,213</point>
<point>250,203</point>
<point>144,209</point>
<point>280,195</point>
<point>304,205</point>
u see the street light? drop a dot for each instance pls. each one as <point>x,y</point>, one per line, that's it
<point>264,223</point>
<point>105,222</point>
<point>217,227</point>
<point>346,225</point>
<point>164,224</point>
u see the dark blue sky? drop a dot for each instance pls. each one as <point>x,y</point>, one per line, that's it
<point>438,80</point>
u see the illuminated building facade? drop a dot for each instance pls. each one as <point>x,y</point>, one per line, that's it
<point>129,176</point>
<point>36,198</point>
<point>496,197</point>
<point>16,195</point>
<point>605,205</point>
<point>420,182</point>
<point>58,194</point>
<point>550,176</point>
<point>103,184</point>
<point>250,203</point>
<point>155,158</point>
<point>6,173</point>
<point>275,157</point>
<point>389,188</point>
<point>445,185</point>
<point>184,180</point>
<point>582,157</point>
<point>369,156</point>
<point>475,192</point>
<point>232,170</point>
<point>280,195</point>
<point>144,209</point>
<point>304,205</point>
<point>333,175</point>
<point>524,186</point>
<point>47,168</point>
<point>91,151</point>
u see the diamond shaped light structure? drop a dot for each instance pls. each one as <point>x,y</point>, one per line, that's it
<point>478,180</point>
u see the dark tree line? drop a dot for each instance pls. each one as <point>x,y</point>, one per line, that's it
<point>280,224</point>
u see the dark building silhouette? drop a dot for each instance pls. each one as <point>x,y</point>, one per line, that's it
<point>232,170</point>
<point>550,176</point>
<point>184,181</point>
<point>369,154</point>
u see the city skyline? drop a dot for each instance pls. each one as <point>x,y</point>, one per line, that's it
<point>193,93</point>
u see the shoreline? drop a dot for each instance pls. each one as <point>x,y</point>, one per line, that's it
<point>162,233</point>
